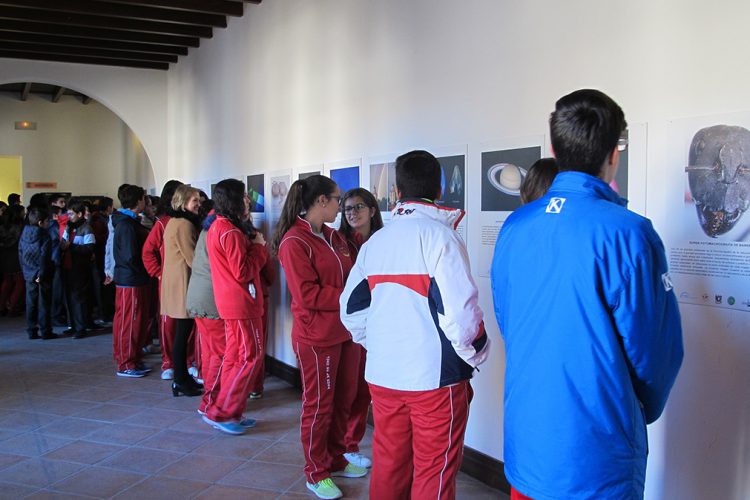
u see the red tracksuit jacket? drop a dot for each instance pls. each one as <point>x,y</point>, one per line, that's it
<point>235,266</point>
<point>316,271</point>
<point>153,249</point>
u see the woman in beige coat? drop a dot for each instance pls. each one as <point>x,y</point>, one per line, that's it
<point>180,237</point>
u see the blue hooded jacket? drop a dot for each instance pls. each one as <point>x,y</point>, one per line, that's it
<point>593,341</point>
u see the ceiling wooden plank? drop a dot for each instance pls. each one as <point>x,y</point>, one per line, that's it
<point>17,36</point>
<point>25,91</point>
<point>110,23</point>
<point>79,31</point>
<point>223,7</point>
<point>58,94</point>
<point>123,11</point>
<point>86,51</point>
<point>84,60</point>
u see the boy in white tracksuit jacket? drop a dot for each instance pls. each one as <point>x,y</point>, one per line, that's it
<point>411,302</point>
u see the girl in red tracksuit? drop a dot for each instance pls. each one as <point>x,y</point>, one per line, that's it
<point>236,261</point>
<point>317,261</point>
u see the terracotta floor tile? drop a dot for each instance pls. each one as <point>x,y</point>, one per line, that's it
<point>13,491</point>
<point>222,492</point>
<point>261,475</point>
<point>109,413</point>
<point>71,427</point>
<point>85,452</point>
<point>161,418</point>
<point>8,459</point>
<point>164,488</point>
<point>98,482</point>
<point>223,445</point>
<point>202,468</point>
<point>171,440</point>
<point>136,459</point>
<point>39,472</point>
<point>21,421</point>
<point>53,495</point>
<point>282,453</point>
<point>32,444</point>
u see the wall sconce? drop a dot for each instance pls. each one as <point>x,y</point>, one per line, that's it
<point>25,125</point>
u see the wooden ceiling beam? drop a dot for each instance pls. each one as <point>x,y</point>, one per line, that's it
<point>122,11</point>
<point>96,33</point>
<point>16,36</point>
<point>103,22</point>
<point>25,91</point>
<point>221,7</point>
<point>86,99</point>
<point>87,51</point>
<point>84,60</point>
<point>60,91</point>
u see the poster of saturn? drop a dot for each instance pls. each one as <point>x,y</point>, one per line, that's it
<point>503,171</point>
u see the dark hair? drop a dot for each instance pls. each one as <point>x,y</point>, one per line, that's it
<point>376,221</point>
<point>584,130</point>
<point>13,215</point>
<point>418,175</point>
<point>538,179</point>
<point>38,200</point>
<point>54,210</point>
<point>229,200</point>
<point>130,195</point>
<point>165,200</point>
<point>302,195</point>
<point>14,199</point>
<point>77,205</point>
<point>102,204</point>
<point>36,215</point>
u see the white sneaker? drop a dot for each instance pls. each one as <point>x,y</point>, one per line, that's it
<point>358,459</point>
<point>167,374</point>
<point>193,371</point>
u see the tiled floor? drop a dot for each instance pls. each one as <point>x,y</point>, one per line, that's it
<point>69,428</point>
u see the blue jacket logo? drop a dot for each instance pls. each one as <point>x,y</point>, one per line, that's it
<point>555,205</point>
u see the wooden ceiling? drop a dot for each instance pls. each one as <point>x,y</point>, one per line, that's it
<point>133,33</point>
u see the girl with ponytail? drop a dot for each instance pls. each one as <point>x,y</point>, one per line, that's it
<point>317,261</point>
<point>235,256</point>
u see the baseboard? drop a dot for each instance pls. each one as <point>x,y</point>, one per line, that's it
<point>475,464</point>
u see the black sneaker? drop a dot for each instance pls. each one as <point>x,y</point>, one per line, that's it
<point>49,336</point>
<point>79,335</point>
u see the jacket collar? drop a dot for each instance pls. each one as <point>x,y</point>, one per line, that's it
<point>421,208</point>
<point>302,223</point>
<point>579,182</point>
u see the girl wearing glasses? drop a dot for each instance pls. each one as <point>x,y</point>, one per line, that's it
<point>317,260</point>
<point>360,218</point>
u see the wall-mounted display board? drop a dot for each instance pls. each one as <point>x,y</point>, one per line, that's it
<point>346,174</point>
<point>453,180</point>
<point>708,191</point>
<point>502,169</point>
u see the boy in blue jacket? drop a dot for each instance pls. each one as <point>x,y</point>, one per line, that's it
<point>590,322</point>
<point>34,253</point>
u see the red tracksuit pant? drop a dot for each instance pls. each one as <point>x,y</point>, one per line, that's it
<point>516,495</point>
<point>243,348</point>
<point>130,325</point>
<point>256,385</point>
<point>329,387</point>
<point>355,428</point>
<point>212,341</point>
<point>418,441</point>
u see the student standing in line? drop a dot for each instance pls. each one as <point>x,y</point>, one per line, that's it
<point>78,245</point>
<point>180,237</point>
<point>236,254</point>
<point>411,302</point>
<point>317,260</point>
<point>12,288</point>
<point>360,218</point>
<point>35,254</point>
<point>267,278</point>
<point>130,325</point>
<point>591,325</point>
<point>153,259</point>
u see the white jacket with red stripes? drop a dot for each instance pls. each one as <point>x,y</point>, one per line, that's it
<point>411,302</point>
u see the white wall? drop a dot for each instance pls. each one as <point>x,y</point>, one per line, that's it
<point>296,83</point>
<point>137,96</point>
<point>86,149</point>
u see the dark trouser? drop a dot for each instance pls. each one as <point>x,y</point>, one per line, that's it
<point>183,328</point>
<point>38,301</point>
<point>96,291</point>
<point>77,288</point>
<point>59,302</point>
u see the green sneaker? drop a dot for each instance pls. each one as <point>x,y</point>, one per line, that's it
<point>350,470</point>
<point>325,489</point>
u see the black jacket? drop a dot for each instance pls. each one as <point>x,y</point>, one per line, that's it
<point>127,246</point>
<point>35,253</point>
